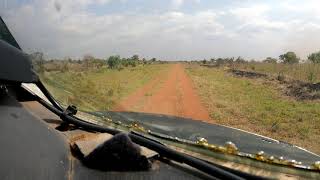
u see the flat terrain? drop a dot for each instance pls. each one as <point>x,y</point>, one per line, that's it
<point>99,90</point>
<point>308,72</point>
<point>257,106</point>
<point>171,93</point>
<point>213,95</point>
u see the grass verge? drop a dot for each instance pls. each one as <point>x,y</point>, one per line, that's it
<point>307,72</point>
<point>256,106</point>
<point>98,90</point>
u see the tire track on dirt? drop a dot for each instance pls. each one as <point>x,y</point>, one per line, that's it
<point>176,96</point>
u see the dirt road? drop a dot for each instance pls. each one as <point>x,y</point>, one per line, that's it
<point>171,93</point>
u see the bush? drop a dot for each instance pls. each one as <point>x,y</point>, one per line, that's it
<point>37,59</point>
<point>280,76</point>
<point>314,57</point>
<point>64,67</point>
<point>133,63</point>
<point>311,76</point>
<point>270,60</point>
<point>289,58</point>
<point>114,62</point>
<point>124,62</point>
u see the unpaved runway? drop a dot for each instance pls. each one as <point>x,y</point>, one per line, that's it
<point>170,93</point>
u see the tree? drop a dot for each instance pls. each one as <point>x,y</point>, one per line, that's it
<point>135,57</point>
<point>113,61</point>
<point>132,63</point>
<point>87,60</point>
<point>153,60</point>
<point>38,61</point>
<point>240,60</point>
<point>88,57</point>
<point>204,61</point>
<point>314,57</point>
<point>64,66</point>
<point>37,56</point>
<point>144,61</point>
<point>270,60</point>
<point>219,61</point>
<point>253,61</point>
<point>230,60</point>
<point>289,58</point>
<point>125,62</point>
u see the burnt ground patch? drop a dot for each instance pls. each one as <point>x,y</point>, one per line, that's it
<point>300,90</point>
<point>248,74</point>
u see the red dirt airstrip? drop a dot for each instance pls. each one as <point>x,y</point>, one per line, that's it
<point>171,93</point>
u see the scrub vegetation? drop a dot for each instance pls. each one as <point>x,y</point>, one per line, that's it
<point>94,85</point>
<point>279,98</point>
<point>257,105</point>
<point>308,72</point>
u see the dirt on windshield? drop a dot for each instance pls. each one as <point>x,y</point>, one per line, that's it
<point>171,93</point>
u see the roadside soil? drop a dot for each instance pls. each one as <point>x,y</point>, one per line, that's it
<point>171,93</point>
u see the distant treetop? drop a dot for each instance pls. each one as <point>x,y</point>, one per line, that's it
<point>289,58</point>
<point>314,57</point>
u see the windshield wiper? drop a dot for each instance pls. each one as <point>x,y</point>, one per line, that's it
<point>214,170</point>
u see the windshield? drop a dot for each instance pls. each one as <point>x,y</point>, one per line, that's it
<point>198,70</point>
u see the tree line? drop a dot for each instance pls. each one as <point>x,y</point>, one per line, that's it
<point>116,61</point>
<point>87,62</point>
<point>289,57</point>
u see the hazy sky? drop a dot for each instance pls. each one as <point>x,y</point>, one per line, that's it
<point>166,29</point>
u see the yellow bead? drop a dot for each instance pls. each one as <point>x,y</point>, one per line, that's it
<point>317,165</point>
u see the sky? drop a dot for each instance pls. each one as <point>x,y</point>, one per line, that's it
<point>165,29</point>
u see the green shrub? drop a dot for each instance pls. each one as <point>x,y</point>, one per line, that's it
<point>289,58</point>
<point>114,62</point>
<point>133,63</point>
<point>314,57</point>
<point>64,67</point>
<point>281,76</point>
<point>311,76</point>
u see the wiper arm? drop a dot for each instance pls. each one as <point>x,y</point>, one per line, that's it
<point>49,96</point>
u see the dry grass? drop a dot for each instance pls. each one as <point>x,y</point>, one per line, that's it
<point>98,89</point>
<point>257,106</point>
<point>305,72</point>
